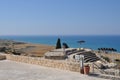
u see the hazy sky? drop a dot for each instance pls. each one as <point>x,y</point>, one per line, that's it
<point>59,17</point>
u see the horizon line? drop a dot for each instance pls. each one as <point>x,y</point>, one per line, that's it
<point>67,35</point>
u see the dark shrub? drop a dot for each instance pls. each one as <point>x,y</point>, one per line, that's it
<point>118,60</point>
<point>65,45</point>
<point>58,44</point>
<point>106,58</point>
<point>3,49</point>
<point>16,53</point>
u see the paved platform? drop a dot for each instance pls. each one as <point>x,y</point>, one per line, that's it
<point>11,70</point>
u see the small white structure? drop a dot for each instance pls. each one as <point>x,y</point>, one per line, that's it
<point>82,61</point>
<point>80,58</point>
<point>77,58</point>
<point>87,49</point>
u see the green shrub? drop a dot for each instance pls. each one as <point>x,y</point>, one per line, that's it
<point>106,58</point>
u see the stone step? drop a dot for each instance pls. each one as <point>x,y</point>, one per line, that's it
<point>91,59</point>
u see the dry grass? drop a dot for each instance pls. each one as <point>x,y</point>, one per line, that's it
<point>111,56</point>
<point>34,49</point>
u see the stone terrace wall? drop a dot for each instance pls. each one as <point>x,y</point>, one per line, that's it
<point>60,64</point>
<point>2,57</point>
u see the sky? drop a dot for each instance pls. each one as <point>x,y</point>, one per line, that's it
<point>59,17</point>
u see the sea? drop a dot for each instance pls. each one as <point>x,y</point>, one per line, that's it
<point>93,42</point>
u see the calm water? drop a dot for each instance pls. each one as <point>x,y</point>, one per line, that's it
<point>92,42</point>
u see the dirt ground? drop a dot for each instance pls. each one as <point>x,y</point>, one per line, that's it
<point>11,70</point>
<point>37,50</point>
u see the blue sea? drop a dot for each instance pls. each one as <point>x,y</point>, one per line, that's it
<point>93,42</point>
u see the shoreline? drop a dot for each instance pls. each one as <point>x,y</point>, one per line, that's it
<point>93,42</point>
<point>38,50</point>
<point>27,49</point>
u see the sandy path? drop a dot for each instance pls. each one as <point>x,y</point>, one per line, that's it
<point>10,70</point>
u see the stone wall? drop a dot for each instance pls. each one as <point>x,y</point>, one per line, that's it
<point>60,64</point>
<point>2,57</point>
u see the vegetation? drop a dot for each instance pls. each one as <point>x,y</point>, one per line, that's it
<point>65,45</point>
<point>58,44</point>
<point>16,53</point>
<point>21,48</point>
<point>2,49</point>
<point>82,41</point>
<point>117,60</point>
<point>106,58</point>
<point>5,49</point>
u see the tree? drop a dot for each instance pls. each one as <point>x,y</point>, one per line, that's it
<point>58,44</point>
<point>65,45</point>
<point>81,42</point>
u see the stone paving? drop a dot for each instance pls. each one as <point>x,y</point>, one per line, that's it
<point>11,70</point>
